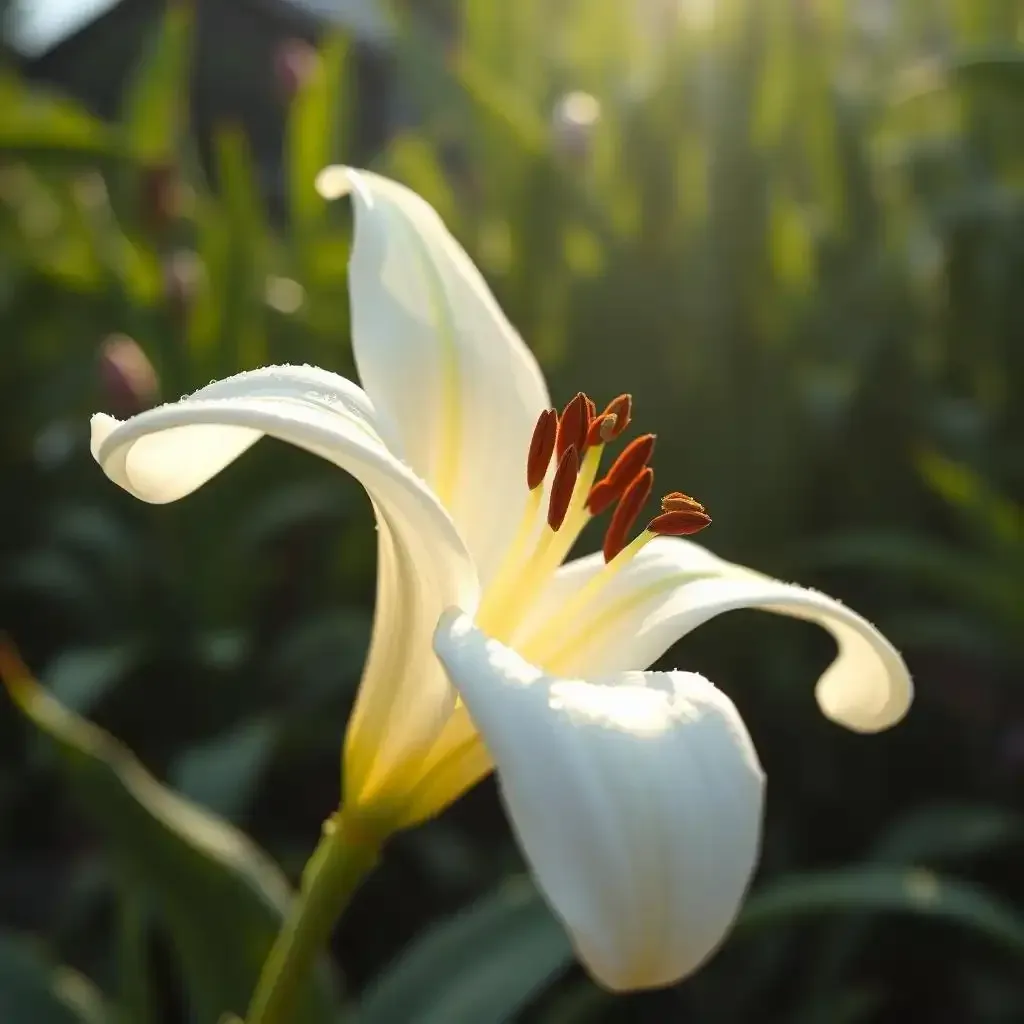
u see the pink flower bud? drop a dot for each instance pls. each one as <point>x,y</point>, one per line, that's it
<point>161,197</point>
<point>183,275</point>
<point>296,63</point>
<point>127,377</point>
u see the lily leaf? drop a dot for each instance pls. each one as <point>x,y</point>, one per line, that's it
<point>215,893</point>
<point>318,130</point>
<point>883,889</point>
<point>158,96</point>
<point>940,832</point>
<point>45,127</point>
<point>33,991</point>
<point>479,967</point>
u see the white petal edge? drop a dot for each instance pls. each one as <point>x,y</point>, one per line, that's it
<point>404,701</point>
<point>456,391</point>
<point>673,585</point>
<point>637,799</point>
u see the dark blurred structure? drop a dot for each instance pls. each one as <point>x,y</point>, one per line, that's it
<point>239,72</point>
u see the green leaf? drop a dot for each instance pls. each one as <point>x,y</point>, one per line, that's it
<point>942,832</point>
<point>33,991</point>
<point>158,95</point>
<point>41,126</point>
<point>479,967</point>
<point>998,520</point>
<point>948,831</point>
<point>223,773</point>
<point>885,890</point>
<point>318,128</point>
<point>80,677</point>
<point>218,897</point>
<point>1002,68</point>
<point>242,275</point>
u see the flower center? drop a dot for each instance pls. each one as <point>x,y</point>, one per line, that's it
<point>574,442</point>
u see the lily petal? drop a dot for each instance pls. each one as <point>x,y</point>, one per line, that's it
<point>674,585</point>
<point>404,701</point>
<point>637,799</point>
<point>456,391</point>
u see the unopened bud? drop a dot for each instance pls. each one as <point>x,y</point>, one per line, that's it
<point>296,64</point>
<point>127,377</point>
<point>161,197</point>
<point>183,275</point>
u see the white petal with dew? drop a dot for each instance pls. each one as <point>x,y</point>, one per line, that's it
<point>637,799</point>
<point>456,390</point>
<point>165,453</point>
<point>674,585</point>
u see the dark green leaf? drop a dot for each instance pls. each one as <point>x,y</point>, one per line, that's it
<point>218,897</point>
<point>81,676</point>
<point>223,773</point>
<point>479,967</point>
<point>33,991</point>
<point>885,890</point>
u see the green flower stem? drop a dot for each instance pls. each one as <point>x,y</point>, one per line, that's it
<point>343,857</point>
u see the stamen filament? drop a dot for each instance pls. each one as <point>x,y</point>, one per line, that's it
<point>501,610</point>
<point>538,645</point>
<point>516,553</point>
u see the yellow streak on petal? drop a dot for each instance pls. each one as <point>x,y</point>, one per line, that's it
<point>537,645</point>
<point>446,466</point>
<point>556,657</point>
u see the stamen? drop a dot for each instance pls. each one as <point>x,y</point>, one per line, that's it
<point>562,487</point>
<point>572,426</point>
<point>622,409</point>
<point>624,469</point>
<point>602,429</point>
<point>591,409</point>
<point>679,502</point>
<point>628,508</point>
<point>602,496</point>
<point>679,524</point>
<point>541,446</point>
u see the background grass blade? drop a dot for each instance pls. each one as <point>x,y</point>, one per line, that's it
<point>218,898</point>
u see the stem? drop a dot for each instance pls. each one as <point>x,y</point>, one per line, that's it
<point>341,860</point>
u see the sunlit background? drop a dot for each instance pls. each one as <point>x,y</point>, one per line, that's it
<point>794,230</point>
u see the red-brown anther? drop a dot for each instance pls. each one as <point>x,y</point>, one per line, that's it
<point>541,446</point>
<point>572,426</point>
<point>631,460</point>
<point>602,496</point>
<point>562,487</point>
<point>628,508</point>
<point>679,502</point>
<point>622,409</point>
<point>629,463</point>
<point>602,429</point>
<point>679,524</point>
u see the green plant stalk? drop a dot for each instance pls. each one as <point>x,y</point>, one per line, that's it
<point>342,859</point>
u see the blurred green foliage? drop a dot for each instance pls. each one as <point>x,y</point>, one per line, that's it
<point>795,231</point>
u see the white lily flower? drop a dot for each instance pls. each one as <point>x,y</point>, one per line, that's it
<point>637,796</point>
